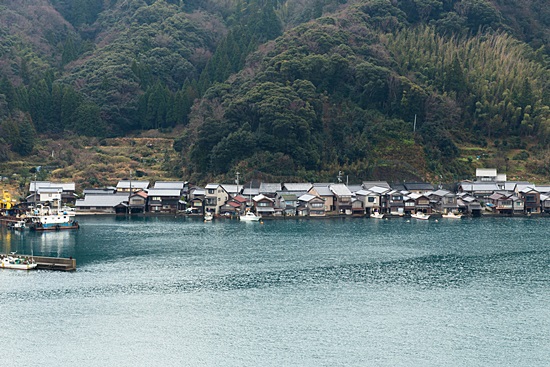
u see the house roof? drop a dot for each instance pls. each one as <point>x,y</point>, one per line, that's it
<point>126,184</point>
<point>290,186</point>
<point>269,188</point>
<point>250,192</point>
<point>340,190</point>
<point>289,197</point>
<point>143,194</point>
<point>261,197</point>
<point>164,192</point>
<point>354,188</point>
<point>423,186</point>
<point>476,186</point>
<point>104,190</point>
<point>441,193</point>
<point>232,189</point>
<point>240,199</point>
<point>308,197</point>
<point>52,190</point>
<point>179,185</point>
<point>198,191</point>
<point>104,201</point>
<point>379,189</point>
<point>212,186</point>
<point>545,188</point>
<point>323,190</point>
<point>34,185</point>
<point>368,184</point>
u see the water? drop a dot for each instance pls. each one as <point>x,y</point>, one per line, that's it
<point>355,292</point>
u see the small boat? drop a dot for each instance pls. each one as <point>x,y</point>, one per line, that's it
<point>377,215</point>
<point>12,261</point>
<point>250,217</point>
<point>420,215</point>
<point>208,217</point>
<point>18,226</point>
<point>452,215</point>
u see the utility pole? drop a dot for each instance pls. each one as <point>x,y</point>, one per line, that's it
<point>237,181</point>
<point>414,125</point>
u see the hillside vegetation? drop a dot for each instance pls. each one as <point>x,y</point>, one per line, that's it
<point>284,90</point>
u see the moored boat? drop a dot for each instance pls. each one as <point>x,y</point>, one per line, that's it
<point>250,217</point>
<point>44,218</point>
<point>420,215</point>
<point>377,215</point>
<point>12,261</point>
<point>451,215</point>
<point>208,217</point>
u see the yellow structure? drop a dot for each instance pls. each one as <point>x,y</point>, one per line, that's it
<point>6,202</point>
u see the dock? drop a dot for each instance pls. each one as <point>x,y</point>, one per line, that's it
<point>53,263</point>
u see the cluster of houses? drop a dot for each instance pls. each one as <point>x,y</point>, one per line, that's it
<point>490,192</point>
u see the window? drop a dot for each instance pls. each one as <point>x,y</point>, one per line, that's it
<point>211,191</point>
<point>263,203</point>
<point>409,203</point>
<point>316,205</point>
<point>371,199</point>
<point>530,198</point>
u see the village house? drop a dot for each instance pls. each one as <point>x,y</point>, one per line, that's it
<point>101,203</point>
<point>323,191</point>
<point>531,199</point>
<point>138,202</point>
<point>311,205</point>
<point>342,198</point>
<point>163,200</point>
<point>270,189</point>
<point>46,191</point>
<point>215,198</point>
<point>264,205</point>
<point>288,202</point>
<point>234,206</point>
<point>418,187</point>
<point>443,201</point>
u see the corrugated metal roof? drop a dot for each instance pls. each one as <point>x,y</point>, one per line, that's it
<point>34,185</point>
<point>368,184</point>
<point>212,186</point>
<point>323,190</point>
<point>307,197</point>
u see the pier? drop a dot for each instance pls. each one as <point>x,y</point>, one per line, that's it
<point>53,263</point>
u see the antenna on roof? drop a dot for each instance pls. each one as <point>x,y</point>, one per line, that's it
<point>340,173</point>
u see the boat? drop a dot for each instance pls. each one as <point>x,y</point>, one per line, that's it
<point>420,215</point>
<point>377,215</point>
<point>250,217</point>
<point>208,217</point>
<point>452,215</point>
<point>12,261</point>
<point>45,218</point>
<point>18,225</point>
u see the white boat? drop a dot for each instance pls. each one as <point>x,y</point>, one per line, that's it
<point>250,217</point>
<point>208,217</point>
<point>377,215</point>
<point>18,226</point>
<point>12,261</point>
<point>452,215</point>
<point>420,215</point>
<point>45,218</point>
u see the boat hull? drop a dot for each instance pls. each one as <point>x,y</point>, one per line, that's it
<point>39,227</point>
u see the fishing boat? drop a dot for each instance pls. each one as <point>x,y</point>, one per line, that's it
<point>208,217</point>
<point>45,218</point>
<point>420,215</point>
<point>12,261</point>
<point>377,215</point>
<point>452,215</point>
<point>250,217</point>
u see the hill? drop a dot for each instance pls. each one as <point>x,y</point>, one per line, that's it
<point>412,89</point>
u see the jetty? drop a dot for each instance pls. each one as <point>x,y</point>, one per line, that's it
<point>53,263</point>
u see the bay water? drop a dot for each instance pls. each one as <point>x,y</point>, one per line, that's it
<point>175,291</point>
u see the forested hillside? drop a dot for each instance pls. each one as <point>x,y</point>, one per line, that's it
<point>290,90</point>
